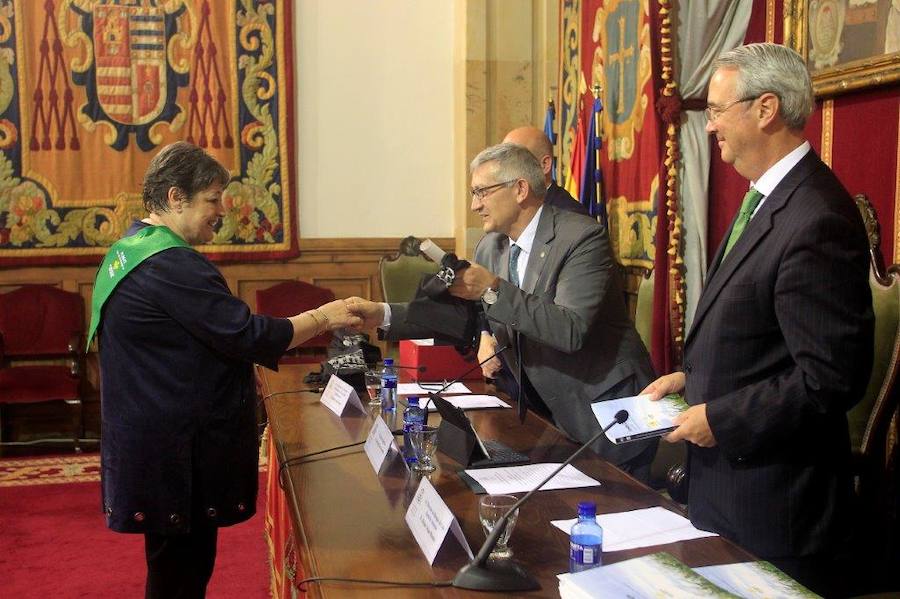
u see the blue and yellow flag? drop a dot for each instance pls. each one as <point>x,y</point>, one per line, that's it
<point>548,131</point>
<point>592,177</point>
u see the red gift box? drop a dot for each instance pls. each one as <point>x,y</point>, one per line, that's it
<point>441,362</point>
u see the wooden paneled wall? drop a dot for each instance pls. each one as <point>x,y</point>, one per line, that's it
<point>346,266</point>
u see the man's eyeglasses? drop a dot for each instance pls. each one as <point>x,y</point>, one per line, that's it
<point>479,193</point>
<point>714,112</point>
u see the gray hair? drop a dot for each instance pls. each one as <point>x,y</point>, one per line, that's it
<point>772,68</point>
<point>184,166</point>
<point>511,162</point>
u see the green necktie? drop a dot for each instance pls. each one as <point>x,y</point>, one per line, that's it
<point>751,201</point>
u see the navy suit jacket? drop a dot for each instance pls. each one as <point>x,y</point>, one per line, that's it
<point>562,199</point>
<point>779,350</point>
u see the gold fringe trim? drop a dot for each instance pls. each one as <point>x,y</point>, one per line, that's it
<point>675,249</point>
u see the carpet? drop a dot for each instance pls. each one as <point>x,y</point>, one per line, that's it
<point>54,541</point>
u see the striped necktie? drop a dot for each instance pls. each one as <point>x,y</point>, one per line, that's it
<point>514,252</point>
<point>751,201</point>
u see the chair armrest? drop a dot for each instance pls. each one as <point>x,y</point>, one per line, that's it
<point>76,353</point>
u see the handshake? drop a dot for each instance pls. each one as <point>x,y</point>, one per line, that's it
<point>354,313</point>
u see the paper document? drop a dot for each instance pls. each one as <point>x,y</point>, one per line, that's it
<point>755,580</point>
<point>646,418</point>
<point>519,479</point>
<point>656,575</point>
<point>471,402</point>
<point>641,528</point>
<point>425,388</point>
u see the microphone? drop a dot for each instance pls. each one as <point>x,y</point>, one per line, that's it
<point>431,251</point>
<point>431,394</point>
<point>449,262</point>
<point>507,575</point>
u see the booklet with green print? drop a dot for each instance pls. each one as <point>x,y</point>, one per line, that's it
<point>646,418</point>
<point>755,580</point>
<point>655,575</point>
<point>662,575</point>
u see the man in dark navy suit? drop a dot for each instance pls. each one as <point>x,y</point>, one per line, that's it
<point>537,143</point>
<point>781,344</point>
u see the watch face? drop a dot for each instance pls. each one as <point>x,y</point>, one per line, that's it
<point>489,296</point>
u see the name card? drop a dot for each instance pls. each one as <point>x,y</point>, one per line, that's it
<point>429,519</point>
<point>379,444</point>
<point>338,395</point>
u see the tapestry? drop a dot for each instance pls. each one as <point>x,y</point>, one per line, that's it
<point>606,43</point>
<point>90,90</point>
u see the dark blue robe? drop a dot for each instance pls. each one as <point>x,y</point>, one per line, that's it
<point>179,397</point>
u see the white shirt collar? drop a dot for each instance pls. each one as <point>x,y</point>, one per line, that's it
<point>526,239</point>
<point>770,179</point>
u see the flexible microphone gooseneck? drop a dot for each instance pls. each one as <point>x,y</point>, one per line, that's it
<point>418,368</point>
<point>266,398</point>
<point>507,575</point>
<point>432,394</point>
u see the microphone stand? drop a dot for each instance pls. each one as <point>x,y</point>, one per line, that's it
<point>432,394</point>
<point>508,575</point>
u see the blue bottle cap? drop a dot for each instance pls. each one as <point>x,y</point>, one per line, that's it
<point>412,400</point>
<point>587,508</point>
<point>389,361</point>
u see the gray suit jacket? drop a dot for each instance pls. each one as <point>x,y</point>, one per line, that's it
<point>574,337</point>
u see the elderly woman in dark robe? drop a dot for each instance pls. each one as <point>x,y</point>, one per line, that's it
<point>179,437</point>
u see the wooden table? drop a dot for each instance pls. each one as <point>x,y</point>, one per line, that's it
<point>349,522</point>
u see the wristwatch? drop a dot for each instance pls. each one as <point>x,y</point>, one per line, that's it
<point>489,296</point>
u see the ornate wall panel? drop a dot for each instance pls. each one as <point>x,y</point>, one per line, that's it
<point>91,89</point>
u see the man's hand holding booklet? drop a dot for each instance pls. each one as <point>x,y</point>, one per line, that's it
<point>646,418</point>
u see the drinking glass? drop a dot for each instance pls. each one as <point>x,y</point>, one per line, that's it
<point>424,443</point>
<point>490,510</point>
<point>373,386</point>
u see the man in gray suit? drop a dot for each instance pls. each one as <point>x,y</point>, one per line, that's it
<point>550,288</point>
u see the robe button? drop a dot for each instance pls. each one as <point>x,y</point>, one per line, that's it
<point>211,512</point>
<point>139,516</point>
<point>175,519</point>
<point>241,507</point>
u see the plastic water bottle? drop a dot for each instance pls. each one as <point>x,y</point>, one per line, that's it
<point>586,539</point>
<point>388,387</point>
<point>413,421</point>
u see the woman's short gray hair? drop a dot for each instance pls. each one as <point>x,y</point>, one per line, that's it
<point>772,68</point>
<point>184,166</point>
<point>513,162</point>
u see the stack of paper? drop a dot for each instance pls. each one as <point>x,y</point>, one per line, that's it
<point>472,402</point>
<point>519,479</point>
<point>641,528</point>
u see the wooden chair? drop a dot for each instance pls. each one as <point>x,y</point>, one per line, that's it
<point>874,420</point>
<point>402,272</point>
<point>289,298</point>
<point>41,351</point>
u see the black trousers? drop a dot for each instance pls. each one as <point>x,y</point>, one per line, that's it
<point>180,566</point>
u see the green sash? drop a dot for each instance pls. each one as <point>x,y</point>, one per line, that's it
<point>123,256</point>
